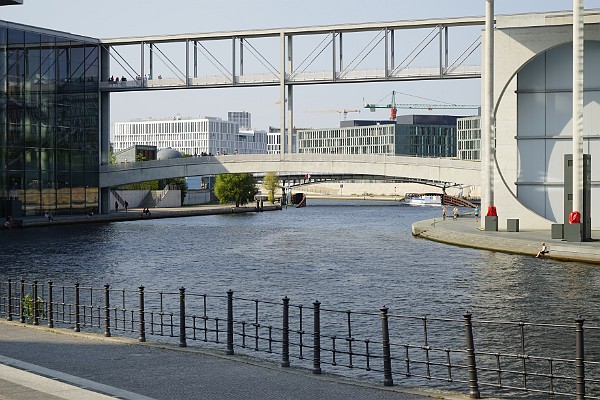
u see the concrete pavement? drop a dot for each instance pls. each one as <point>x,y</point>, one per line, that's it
<point>43,363</point>
<point>465,232</point>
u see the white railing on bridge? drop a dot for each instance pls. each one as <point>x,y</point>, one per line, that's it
<point>304,77</point>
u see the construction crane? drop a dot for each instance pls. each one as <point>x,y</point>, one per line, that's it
<point>393,106</point>
<point>344,112</point>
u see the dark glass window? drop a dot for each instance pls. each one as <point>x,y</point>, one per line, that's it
<point>49,128</point>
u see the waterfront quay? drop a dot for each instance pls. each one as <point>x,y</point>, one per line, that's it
<point>466,232</point>
<point>135,214</point>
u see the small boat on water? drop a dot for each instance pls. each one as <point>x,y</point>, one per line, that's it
<point>423,199</point>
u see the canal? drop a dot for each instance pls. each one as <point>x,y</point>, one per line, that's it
<point>355,255</point>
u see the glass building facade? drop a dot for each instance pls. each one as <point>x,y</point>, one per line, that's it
<point>426,135</point>
<point>49,121</point>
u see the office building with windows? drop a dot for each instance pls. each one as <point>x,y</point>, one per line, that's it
<point>409,135</point>
<point>468,132</point>
<point>193,136</point>
<point>49,147</point>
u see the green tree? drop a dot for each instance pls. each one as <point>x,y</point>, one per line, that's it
<point>140,157</point>
<point>271,183</point>
<point>238,188</point>
<point>112,159</point>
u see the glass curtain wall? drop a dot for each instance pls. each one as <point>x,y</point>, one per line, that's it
<point>49,123</point>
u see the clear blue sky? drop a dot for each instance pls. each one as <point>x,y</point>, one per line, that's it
<point>111,18</point>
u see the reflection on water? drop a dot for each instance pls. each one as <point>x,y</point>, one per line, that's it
<point>348,255</point>
<point>356,253</point>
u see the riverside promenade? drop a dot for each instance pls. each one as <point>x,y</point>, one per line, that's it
<point>134,214</point>
<point>465,232</point>
<point>37,362</point>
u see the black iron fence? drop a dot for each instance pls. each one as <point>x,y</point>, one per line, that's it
<point>498,357</point>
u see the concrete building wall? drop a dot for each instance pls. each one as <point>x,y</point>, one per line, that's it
<point>527,175</point>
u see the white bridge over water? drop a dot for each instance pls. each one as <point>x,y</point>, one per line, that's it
<point>288,57</point>
<point>443,172</point>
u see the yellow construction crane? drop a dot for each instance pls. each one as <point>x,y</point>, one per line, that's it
<point>344,112</point>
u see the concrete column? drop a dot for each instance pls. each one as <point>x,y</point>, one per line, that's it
<point>151,61</point>
<point>282,93</point>
<point>290,96</point>
<point>104,204</point>
<point>142,66</point>
<point>233,61</point>
<point>487,133</point>
<point>241,56</point>
<point>578,105</point>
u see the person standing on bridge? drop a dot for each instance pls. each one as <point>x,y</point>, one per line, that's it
<point>126,205</point>
<point>476,214</point>
<point>455,213</point>
<point>116,206</point>
<point>443,212</point>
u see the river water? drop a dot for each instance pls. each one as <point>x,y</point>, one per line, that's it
<point>354,255</point>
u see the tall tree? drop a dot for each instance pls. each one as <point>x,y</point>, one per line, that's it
<point>238,188</point>
<point>271,183</point>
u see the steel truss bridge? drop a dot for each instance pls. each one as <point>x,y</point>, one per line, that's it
<point>441,172</point>
<point>272,58</point>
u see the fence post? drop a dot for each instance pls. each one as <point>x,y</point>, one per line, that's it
<point>21,301</point>
<point>77,326</point>
<point>471,364</point>
<point>387,354</point>
<point>229,323</point>
<point>10,305</point>
<point>34,305</point>
<point>49,306</point>
<point>182,342</point>
<point>285,340</point>
<point>579,359</point>
<point>142,327</point>
<point>317,338</point>
<point>107,310</point>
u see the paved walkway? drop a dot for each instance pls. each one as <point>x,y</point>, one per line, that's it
<point>136,214</point>
<point>43,363</point>
<point>465,232</point>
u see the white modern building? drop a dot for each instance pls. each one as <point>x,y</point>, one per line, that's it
<point>533,115</point>
<point>193,136</point>
<point>243,118</point>
<point>274,140</point>
<point>468,138</point>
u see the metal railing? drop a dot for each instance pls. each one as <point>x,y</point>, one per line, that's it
<point>501,358</point>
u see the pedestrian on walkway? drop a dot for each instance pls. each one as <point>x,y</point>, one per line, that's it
<point>443,213</point>
<point>455,213</point>
<point>116,206</point>
<point>476,213</point>
<point>126,205</point>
